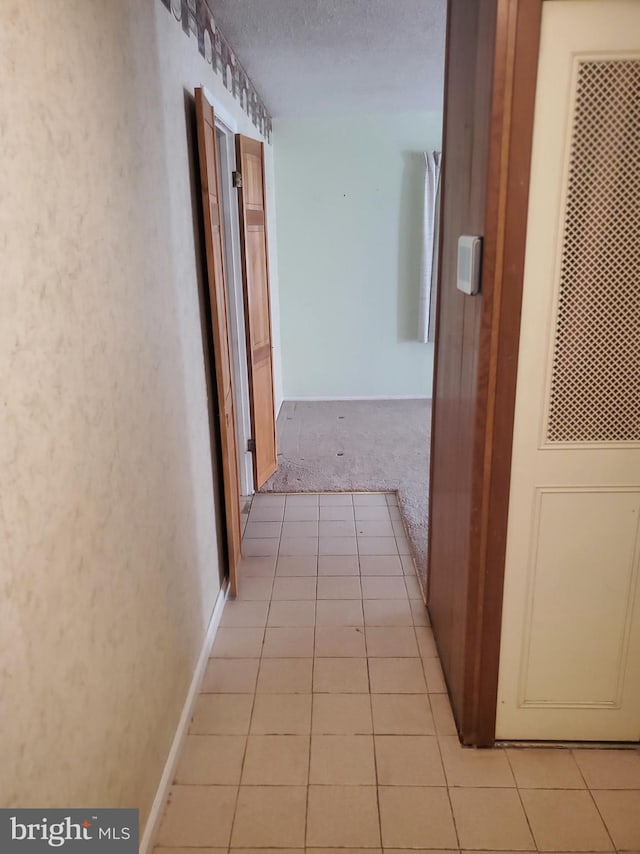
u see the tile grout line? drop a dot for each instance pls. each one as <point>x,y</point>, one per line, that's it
<point>520,801</point>
<point>253,704</point>
<point>446,776</point>
<point>244,756</point>
<point>261,659</point>
<point>375,756</point>
<point>593,801</point>
<point>305,840</point>
<point>373,739</point>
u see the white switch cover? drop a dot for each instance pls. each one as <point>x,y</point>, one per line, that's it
<point>469,259</point>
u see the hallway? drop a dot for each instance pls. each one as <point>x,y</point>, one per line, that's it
<point>237,223</point>
<point>323,720</point>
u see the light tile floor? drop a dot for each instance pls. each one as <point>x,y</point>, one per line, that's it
<point>323,720</point>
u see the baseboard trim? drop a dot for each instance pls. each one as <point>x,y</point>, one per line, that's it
<point>157,808</point>
<point>366,397</point>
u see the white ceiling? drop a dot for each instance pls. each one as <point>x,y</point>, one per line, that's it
<point>311,57</point>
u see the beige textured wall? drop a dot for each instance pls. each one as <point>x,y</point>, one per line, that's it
<point>108,550</point>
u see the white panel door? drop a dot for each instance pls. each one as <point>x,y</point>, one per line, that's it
<point>570,649</point>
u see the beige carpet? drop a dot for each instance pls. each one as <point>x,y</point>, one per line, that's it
<point>359,445</point>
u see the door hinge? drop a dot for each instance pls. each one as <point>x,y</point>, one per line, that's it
<point>251,446</point>
<point>236,178</point>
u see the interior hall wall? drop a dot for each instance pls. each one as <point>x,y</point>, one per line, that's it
<point>349,196</point>
<point>109,556</point>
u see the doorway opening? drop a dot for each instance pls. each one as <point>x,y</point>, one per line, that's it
<point>350,201</point>
<point>362,446</point>
<point>226,128</point>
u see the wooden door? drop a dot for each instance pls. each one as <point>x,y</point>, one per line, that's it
<point>492,48</point>
<point>255,272</point>
<point>570,651</point>
<point>209,182</point>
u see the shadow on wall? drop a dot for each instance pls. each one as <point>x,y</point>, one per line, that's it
<point>410,244</point>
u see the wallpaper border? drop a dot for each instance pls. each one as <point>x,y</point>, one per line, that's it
<point>197,19</point>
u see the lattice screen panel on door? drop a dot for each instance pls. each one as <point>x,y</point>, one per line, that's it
<point>595,384</point>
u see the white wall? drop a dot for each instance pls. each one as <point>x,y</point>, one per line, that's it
<point>349,196</point>
<point>109,560</point>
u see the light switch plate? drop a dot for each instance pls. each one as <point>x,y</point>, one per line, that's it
<point>469,260</point>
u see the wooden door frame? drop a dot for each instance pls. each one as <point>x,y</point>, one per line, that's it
<point>242,142</point>
<point>511,130</point>
<point>219,312</point>
<point>228,126</point>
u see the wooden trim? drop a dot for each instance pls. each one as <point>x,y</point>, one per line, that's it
<point>436,349</point>
<point>225,129</point>
<point>513,101</point>
<point>248,145</point>
<point>268,263</point>
<point>311,398</point>
<point>469,62</point>
<point>210,188</point>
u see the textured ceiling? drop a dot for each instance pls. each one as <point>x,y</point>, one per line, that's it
<point>309,57</point>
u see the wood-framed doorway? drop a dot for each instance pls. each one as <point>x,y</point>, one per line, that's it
<point>243,205</point>
<point>492,50</point>
<point>490,78</point>
<point>226,130</point>
<point>240,308</point>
